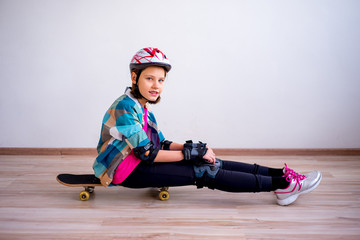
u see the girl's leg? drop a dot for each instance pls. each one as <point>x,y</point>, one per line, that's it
<point>235,181</point>
<point>182,174</point>
<point>238,177</point>
<point>161,175</point>
<point>232,177</point>
<point>251,168</point>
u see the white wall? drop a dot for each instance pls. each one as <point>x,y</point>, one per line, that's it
<point>246,74</point>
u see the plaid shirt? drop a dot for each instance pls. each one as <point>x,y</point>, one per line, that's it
<point>122,131</point>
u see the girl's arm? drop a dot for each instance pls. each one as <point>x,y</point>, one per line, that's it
<point>176,146</point>
<point>176,155</point>
<point>169,156</point>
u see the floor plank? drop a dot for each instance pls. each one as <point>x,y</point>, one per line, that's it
<point>33,205</point>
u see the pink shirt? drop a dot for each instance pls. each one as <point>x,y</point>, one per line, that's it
<point>129,163</point>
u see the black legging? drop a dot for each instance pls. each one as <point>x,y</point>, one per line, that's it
<point>231,177</point>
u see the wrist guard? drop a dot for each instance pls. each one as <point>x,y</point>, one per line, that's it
<point>165,145</point>
<point>194,151</point>
<point>147,153</point>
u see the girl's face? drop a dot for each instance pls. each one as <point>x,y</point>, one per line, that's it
<point>151,83</point>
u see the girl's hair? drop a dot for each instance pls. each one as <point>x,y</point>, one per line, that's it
<point>135,89</point>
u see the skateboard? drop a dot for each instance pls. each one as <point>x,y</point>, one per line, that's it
<point>89,182</point>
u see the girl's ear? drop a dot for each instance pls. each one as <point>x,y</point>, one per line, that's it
<point>133,77</point>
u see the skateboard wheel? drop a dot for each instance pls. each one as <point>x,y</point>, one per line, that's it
<point>84,195</point>
<point>164,195</point>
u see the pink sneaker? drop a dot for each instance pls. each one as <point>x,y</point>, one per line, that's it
<point>299,184</point>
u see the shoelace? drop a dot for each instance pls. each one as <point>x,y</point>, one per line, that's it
<point>291,174</point>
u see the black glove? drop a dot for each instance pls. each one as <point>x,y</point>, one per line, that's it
<point>194,151</point>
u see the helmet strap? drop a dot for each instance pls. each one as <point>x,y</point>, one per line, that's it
<point>138,76</point>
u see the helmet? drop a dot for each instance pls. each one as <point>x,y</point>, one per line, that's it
<point>149,57</point>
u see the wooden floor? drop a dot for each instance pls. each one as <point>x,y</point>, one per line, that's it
<point>33,205</point>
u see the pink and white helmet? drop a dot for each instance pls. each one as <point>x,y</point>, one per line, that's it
<point>149,57</point>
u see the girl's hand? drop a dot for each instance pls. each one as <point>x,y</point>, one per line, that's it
<point>210,156</point>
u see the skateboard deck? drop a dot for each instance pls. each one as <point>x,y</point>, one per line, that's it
<point>89,182</point>
<point>82,180</point>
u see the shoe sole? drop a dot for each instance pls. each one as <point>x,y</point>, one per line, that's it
<point>291,199</point>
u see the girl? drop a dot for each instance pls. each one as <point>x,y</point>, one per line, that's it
<point>134,153</point>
